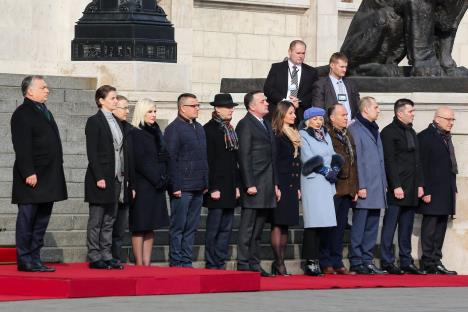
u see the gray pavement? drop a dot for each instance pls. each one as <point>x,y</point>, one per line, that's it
<point>375,300</point>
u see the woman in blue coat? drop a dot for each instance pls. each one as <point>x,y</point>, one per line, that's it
<point>319,173</point>
<point>149,210</point>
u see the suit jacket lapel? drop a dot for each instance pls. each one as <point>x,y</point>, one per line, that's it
<point>259,125</point>
<point>367,131</point>
<point>331,90</point>
<point>284,78</point>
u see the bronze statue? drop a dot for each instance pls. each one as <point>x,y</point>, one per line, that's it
<point>383,32</point>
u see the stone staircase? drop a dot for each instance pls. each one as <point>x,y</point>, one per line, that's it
<point>72,102</point>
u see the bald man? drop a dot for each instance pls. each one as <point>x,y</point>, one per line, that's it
<point>440,189</point>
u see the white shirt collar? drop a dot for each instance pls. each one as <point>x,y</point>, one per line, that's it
<point>334,80</point>
<point>291,64</point>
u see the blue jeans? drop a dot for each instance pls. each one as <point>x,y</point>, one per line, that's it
<point>403,216</point>
<point>185,215</point>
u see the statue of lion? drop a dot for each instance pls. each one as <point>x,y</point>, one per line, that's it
<point>383,32</point>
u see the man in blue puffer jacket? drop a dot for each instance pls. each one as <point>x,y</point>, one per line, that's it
<point>188,170</point>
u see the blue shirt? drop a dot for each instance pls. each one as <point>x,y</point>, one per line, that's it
<point>340,88</point>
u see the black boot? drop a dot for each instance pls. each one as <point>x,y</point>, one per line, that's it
<point>312,268</point>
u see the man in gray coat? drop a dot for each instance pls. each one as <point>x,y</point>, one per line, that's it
<point>259,180</point>
<point>372,188</point>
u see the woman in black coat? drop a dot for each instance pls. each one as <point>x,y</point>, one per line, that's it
<point>289,168</point>
<point>223,183</point>
<point>149,210</point>
<point>104,177</point>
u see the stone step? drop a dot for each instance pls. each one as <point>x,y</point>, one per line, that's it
<point>54,82</point>
<point>75,190</point>
<point>73,206</point>
<point>161,253</point>
<point>63,232</point>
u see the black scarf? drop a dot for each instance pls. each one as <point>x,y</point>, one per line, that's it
<point>370,125</point>
<point>155,131</point>
<point>230,137</point>
<point>409,133</point>
<point>342,136</point>
<point>447,138</point>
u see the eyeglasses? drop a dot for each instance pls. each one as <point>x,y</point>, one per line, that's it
<point>448,119</point>
<point>124,108</point>
<point>193,106</point>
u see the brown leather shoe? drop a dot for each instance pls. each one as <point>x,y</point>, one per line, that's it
<point>328,270</point>
<point>344,271</point>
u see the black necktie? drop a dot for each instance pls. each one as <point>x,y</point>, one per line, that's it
<point>44,110</point>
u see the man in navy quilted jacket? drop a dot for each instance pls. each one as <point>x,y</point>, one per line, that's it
<point>188,170</point>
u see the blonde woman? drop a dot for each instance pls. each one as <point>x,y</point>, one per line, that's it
<point>149,210</point>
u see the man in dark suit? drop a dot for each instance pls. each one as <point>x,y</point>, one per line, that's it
<point>259,180</point>
<point>38,178</point>
<point>405,187</point>
<point>223,181</point>
<point>121,220</point>
<point>291,79</point>
<point>104,178</point>
<point>440,188</point>
<point>335,88</point>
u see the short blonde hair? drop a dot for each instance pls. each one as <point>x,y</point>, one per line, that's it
<point>141,108</point>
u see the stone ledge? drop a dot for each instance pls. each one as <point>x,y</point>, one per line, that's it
<point>368,84</point>
<point>271,6</point>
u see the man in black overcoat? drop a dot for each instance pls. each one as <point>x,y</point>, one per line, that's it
<point>291,79</point>
<point>335,88</point>
<point>223,181</point>
<point>38,178</point>
<point>440,188</point>
<point>260,191</point>
<point>405,187</point>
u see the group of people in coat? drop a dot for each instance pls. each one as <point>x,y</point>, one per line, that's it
<point>268,164</point>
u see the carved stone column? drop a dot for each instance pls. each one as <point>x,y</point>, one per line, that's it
<point>124,30</point>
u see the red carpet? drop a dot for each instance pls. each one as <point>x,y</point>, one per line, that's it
<point>7,255</point>
<point>299,282</point>
<point>77,281</point>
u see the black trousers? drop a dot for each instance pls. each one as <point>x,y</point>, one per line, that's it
<point>31,225</point>
<point>433,230</point>
<point>250,234</point>
<point>332,240</point>
<point>217,235</point>
<point>312,246</point>
<point>118,232</point>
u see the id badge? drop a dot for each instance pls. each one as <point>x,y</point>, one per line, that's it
<point>342,98</point>
<point>292,87</point>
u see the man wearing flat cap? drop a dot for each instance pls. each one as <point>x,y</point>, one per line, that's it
<point>223,181</point>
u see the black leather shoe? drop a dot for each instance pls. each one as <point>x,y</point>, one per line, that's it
<point>412,269</point>
<point>44,268</point>
<point>441,269</point>
<point>359,269</point>
<point>100,265</point>
<point>312,268</point>
<point>392,269</point>
<point>115,264</point>
<point>29,267</point>
<point>258,268</point>
<point>375,270</point>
